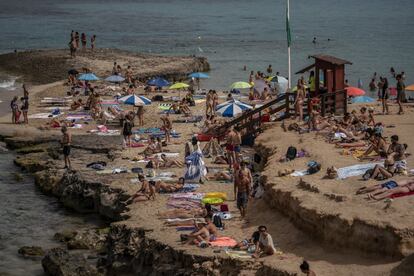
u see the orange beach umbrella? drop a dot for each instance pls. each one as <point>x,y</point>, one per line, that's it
<point>354,91</point>
<point>410,88</point>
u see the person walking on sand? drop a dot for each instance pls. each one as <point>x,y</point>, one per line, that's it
<point>242,187</point>
<point>72,48</point>
<point>93,38</point>
<point>25,104</point>
<point>66,142</point>
<point>167,127</point>
<point>400,93</point>
<point>305,268</point>
<point>384,96</point>
<point>15,110</point>
<point>83,40</point>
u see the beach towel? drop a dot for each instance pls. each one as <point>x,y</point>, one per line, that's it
<point>168,154</point>
<point>192,119</point>
<point>355,170</point>
<point>186,228</point>
<point>239,254</point>
<point>43,116</point>
<point>193,196</point>
<point>300,173</point>
<point>223,242</point>
<point>54,107</point>
<point>402,194</point>
<point>164,106</point>
<point>196,169</point>
<point>183,203</point>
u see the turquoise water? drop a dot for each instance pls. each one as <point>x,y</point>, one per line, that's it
<point>374,35</point>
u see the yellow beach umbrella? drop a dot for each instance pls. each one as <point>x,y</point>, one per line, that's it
<point>410,88</point>
<point>179,85</point>
<point>240,85</point>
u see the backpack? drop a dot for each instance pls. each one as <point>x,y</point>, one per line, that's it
<point>291,153</point>
<point>217,222</point>
<point>313,167</point>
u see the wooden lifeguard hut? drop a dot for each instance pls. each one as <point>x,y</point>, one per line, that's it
<point>331,91</point>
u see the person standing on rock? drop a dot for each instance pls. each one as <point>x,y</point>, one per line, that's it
<point>65,142</point>
<point>25,104</point>
<point>83,40</point>
<point>77,40</point>
<point>15,110</point>
<point>93,38</point>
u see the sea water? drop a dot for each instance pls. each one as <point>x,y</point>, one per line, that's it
<point>29,218</point>
<point>374,35</point>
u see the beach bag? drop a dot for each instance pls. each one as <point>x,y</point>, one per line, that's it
<point>217,222</point>
<point>158,98</point>
<point>291,153</point>
<point>313,167</point>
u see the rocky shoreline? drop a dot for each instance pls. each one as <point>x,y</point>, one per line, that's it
<point>122,248</point>
<point>46,66</point>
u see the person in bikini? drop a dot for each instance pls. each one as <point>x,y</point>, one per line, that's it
<point>168,163</point>
<point>378,145</point>
<point>300,98</point>
<point>167,127</point>
<point>386,190</point>
<point>209,103</point>
<point>146,192</point>
<point>212,229</point>
<point>230,146</point>
<point>200,236</point>
<point>162,187</point>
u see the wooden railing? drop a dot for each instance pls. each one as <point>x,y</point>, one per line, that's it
<point>251,121</point>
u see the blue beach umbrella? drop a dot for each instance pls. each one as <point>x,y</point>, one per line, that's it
<point>115,78</point>
<point>199,75</point>
<point>232,108</point>
<point>88,77</point>
<point>135,100</point>
<point>159,82</point>
<point>363,99</point>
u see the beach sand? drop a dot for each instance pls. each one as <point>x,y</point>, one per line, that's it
<point>326,258</point>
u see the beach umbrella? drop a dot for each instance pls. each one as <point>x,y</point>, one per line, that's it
<point>199,75</point>
<point>159,82</point>
<point>115,78</point>
<point>354,91</point>
<point>232,108</point>
<point>260,85</point>
<point>281,83</point>
<point>240,85</point>
<point>363,99</point>
<point>73,72</point>
<point>135,100</point>
<point>88,77</point>
<point>410,87</point>
<point>179,85</point>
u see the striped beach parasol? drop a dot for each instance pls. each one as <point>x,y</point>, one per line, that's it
<point>232,108</point>
<point>135,100</point>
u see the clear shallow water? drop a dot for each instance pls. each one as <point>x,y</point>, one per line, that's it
<point>29,218</point>
<point>374,35</point>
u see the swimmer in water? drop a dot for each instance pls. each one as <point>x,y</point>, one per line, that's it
<point>314,40</point>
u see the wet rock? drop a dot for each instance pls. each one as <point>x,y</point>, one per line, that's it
<point>17,176</point>
<point>60,262</point>
<point>65,235</point>
<point>31,251</point>
<point>88,239</point>
<point>48,180</point>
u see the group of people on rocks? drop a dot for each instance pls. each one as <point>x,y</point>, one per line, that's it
<point>77,40</point>
<point>23,109</point>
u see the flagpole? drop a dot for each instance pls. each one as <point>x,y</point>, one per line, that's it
<point>289,66</point>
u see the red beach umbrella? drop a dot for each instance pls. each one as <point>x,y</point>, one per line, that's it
<point>354,91</point>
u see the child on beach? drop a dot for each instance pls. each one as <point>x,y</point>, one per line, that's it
<point>66,142</point>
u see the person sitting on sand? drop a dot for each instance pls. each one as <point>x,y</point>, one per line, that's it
<point>212,229</point>
<point>304,267</point>
<point>152,147</point>
<point>377,145</point>
<point>184,109</point>
<point>200,237</point>
<point>387,189</point>
<point>174,108</point>
<point>266,246</point>
<point>76,104</point>
<point>146,192</point>
<point>165,162</point>
<point>249,244</point>
<point>371,120</point>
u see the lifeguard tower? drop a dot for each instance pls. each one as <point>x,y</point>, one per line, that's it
<point>331,90</point>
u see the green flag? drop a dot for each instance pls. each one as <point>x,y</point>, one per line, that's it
<point>289,38</point>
